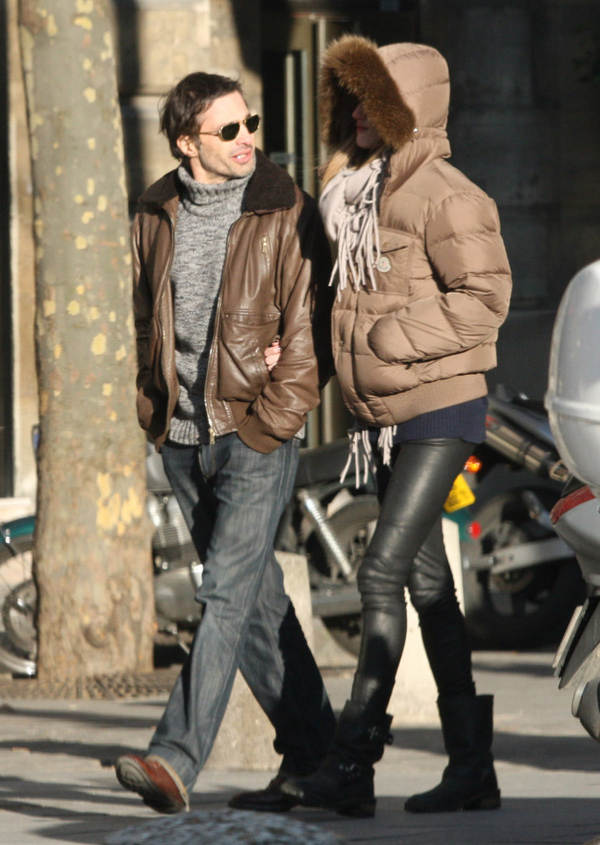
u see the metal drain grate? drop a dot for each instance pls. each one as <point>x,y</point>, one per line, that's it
<point>99,687</point>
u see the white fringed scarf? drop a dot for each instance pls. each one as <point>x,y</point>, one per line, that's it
<point>349,206</point>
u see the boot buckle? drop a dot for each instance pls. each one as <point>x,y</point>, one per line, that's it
<point>376,734</point>
<point>351,771</point>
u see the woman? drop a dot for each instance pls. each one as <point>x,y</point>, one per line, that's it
<point>423,284</point>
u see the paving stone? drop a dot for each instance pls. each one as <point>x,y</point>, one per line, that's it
<point>226,827</point>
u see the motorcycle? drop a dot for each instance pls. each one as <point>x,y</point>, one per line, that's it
<point>520,580</point>
<point>573,403</point>
<point>328,521</point>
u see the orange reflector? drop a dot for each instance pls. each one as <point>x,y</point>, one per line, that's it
<point>572,500</point>
<point>473,464</point>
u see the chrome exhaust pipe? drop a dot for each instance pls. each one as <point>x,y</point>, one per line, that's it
<point>524,451</point>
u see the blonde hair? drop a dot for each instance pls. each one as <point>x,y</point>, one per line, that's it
<point>350,156</point>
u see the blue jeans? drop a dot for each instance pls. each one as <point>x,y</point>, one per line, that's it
<point>232,498</point>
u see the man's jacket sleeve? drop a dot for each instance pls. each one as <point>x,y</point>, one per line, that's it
<point>303,271</point>
<point>149,399</point>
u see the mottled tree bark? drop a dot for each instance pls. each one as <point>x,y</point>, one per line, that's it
<point>92,557</point>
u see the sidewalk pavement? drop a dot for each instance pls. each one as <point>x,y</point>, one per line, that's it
<point>57,783</point>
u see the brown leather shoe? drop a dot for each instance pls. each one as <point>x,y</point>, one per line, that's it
<point>153,779</point>
<point>269,800</point>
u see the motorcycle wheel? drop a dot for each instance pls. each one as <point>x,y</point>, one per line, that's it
<point>18,604</point>
<point>353,525</point>
<point>18,608</point>
<point>529,607</point>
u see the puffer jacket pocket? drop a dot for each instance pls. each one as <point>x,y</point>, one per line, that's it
<point>392,270</point>
<point>244,335</point>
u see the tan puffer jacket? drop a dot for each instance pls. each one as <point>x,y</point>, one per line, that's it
<point>424,338</point>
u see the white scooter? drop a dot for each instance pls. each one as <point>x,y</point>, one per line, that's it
<point>573,404</point>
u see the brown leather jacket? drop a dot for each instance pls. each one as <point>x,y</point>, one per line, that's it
<point>277,265</point>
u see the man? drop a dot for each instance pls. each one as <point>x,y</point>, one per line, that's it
<point>228,257</point>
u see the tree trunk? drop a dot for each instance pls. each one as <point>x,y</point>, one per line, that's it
<point>92,558</point>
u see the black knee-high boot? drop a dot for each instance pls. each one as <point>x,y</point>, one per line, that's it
<point>469,780</point>
<point>344,782</point>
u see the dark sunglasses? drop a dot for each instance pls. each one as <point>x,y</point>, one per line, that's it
<point>231,130</point>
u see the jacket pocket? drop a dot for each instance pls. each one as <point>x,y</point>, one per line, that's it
<point>243,338</point>
<point>392,270</point>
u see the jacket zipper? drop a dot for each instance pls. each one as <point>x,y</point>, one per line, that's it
<point>211,425</point>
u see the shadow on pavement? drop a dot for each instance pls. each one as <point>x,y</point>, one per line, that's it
<point>541,668</point>
<point>92,716</point>
<point>551,753</point>
<point>551,821</point>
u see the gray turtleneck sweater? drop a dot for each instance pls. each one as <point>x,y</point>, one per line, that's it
<point>204,217</point>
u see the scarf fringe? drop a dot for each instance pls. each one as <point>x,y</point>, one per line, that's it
<point>360,452</point>
<point>359,247</point>
<point>385,441</point>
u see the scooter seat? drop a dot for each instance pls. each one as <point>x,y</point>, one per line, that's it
<point>322,463</point>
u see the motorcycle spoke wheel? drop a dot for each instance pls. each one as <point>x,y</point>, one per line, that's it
<point>526,608</point>
<point>18,606</point>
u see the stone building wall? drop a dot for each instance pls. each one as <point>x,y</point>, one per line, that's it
<point>161,41</point>
<point>525,125</point>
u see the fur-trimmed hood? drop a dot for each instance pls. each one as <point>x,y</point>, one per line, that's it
<point>402,87</point>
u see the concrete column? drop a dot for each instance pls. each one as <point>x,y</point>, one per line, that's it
<point>245,740</point>
<point>414,697</point>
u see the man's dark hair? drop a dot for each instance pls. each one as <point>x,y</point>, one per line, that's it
<point>190,97</point>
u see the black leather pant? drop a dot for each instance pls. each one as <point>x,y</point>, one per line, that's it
<point>407,550</point>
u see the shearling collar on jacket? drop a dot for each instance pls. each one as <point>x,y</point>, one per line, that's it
<point>270,188</point>
<point>402,87</point>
